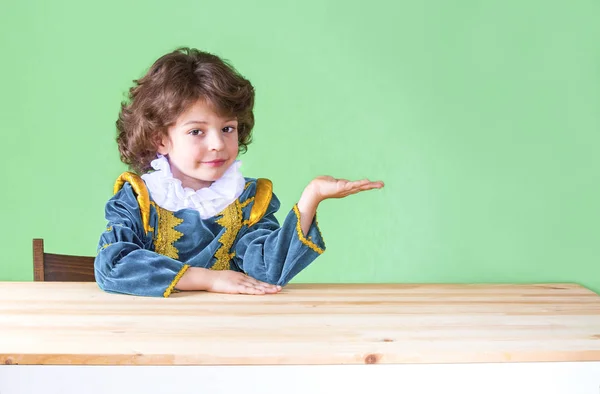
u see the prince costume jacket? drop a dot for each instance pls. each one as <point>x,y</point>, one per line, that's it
<point>146,249</point>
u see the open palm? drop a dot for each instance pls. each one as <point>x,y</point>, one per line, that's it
<point>329,187</point>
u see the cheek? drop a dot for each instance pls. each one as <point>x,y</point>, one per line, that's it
<point>194,149</point>
<point>233,151</point>
<point>188,154</point>
<point>234,146</point>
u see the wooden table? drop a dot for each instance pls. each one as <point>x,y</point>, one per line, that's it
<point>483,335</point>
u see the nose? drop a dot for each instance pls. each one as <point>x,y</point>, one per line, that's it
<point>215,140</point>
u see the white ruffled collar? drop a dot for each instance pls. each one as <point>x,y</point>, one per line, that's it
<point>168,192</point>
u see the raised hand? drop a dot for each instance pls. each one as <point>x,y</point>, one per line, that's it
<point>325,187</point>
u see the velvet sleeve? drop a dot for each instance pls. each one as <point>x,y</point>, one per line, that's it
<point>126,262</point>
<point>276,253</point>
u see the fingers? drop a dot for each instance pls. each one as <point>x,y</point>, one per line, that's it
<point>257,282</point>
<point>362,185</point>
<point>256,290</point>
<point>247,289</point>
<point>253,286</point>
<point>232,282</point>
<point>371,185</point>
<point>267,288</point>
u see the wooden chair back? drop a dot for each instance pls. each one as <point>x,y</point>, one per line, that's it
<point>50,267</point>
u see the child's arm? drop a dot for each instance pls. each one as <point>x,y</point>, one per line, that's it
<point>126,262</point>
<point>197,278</point>
<point>324,187</point>
<point>275,254</point>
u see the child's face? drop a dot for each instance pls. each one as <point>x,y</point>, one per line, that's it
<point>200,146</point>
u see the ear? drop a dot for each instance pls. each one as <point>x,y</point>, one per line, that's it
<point>163,145</point>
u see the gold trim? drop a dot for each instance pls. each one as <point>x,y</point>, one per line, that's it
<point>101,248</point>
<point>262,199</point>
<point>305,241</point>
<point>177,277</point>
<point>143,197</point>
<point>247,202</point>
<point>244,205</point>
<point>231,220</point>
<point>166,235</point>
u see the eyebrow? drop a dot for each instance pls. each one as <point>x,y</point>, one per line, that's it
<point>204,122</point>
<point>194,121</point>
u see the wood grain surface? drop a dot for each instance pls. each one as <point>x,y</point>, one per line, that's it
<point>77,323</point>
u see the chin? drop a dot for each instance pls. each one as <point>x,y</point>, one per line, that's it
<point>210,177</point>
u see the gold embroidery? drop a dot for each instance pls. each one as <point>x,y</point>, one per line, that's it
<point>244,205</point>
<point>263,194</point>
<point>177,277</point>
<point>305,241</point>
<point>247,202</point>
<point>231,220</point>
<point>101,248</point>
<point>143,198</point>
<point>166,234</point>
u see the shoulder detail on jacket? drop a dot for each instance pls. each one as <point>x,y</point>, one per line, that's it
<point>262,199</point>
<point>141,192</point>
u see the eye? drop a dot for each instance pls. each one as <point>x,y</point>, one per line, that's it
<point>195,132</point>
<point>228,129</point>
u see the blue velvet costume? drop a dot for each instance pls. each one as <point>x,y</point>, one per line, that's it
<point>145,249</point>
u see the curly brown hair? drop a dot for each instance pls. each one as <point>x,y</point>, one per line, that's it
<point>173,83</point>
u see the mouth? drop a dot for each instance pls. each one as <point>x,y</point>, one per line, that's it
<point>214,163</point>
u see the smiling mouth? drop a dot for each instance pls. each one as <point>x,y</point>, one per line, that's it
<point>214,163</point>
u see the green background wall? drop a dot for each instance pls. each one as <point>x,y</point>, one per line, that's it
<point>483,119</point>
